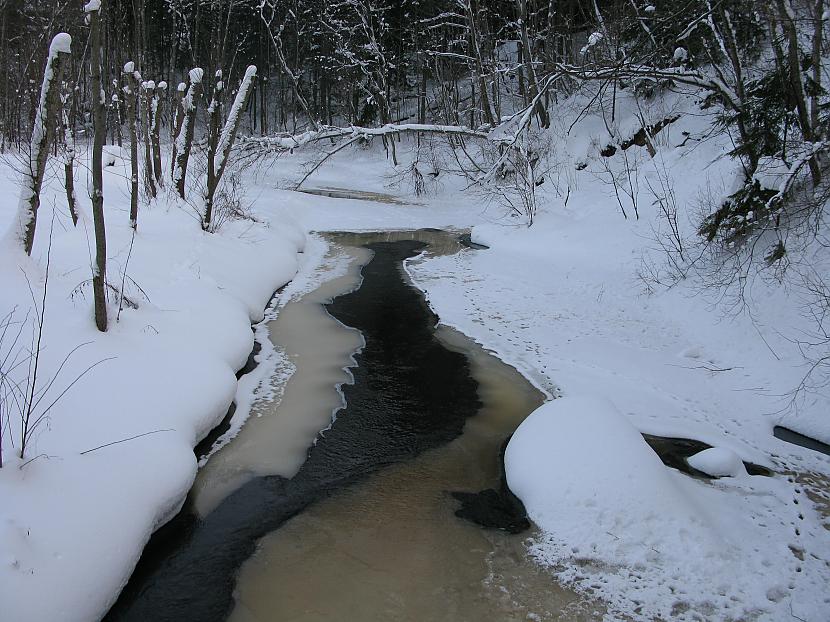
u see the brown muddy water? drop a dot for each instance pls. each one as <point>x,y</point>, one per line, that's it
<point>357,523</point>
<point>391,548</point>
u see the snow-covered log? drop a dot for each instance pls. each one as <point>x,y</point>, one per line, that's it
<point>288,142</point>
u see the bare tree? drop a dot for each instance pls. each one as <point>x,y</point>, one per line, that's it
<point>43,134</point>
<point>219,147</point>
<point>99,272</point>
<point>155,129</point>
<point>148,90</point>
<point>184,138</point>
<point>131,98</point>
<point>68,147</point>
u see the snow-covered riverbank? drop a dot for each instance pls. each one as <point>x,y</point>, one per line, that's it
<point>565,301</point>
<point>73,518</point>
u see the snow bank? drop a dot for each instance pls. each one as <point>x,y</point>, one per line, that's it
<point>571,302</point>
<point>114,459</point>
<point>586,475</point>
<point>650,542</point>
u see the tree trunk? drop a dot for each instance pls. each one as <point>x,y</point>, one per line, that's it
<point>785,12</point>
<point>68,158</point>
<point>155,125</point>
<point>184,139</point>
<point>219,146</point>
<point>214,112</point>
<point>131,98</point>
<point>148,90</point>
<point>43,133</point>
<point>176,125</point>
<point>99,274</point>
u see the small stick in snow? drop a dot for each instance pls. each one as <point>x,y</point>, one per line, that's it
<point>124,440</point>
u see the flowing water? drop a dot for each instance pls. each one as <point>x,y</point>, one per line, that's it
<point>360,525</point>
<point>391,548</point>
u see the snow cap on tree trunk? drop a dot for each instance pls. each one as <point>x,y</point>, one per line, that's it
<point>196,75</point>
<point>61,44</point>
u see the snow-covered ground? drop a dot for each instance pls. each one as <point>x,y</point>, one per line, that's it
<point>563,301</point>
<point>567,303</point>
<point>73,518</point>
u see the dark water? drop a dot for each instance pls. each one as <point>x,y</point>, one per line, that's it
<point>674,453</point>
<point>791,436</point>
<point>410,394</point>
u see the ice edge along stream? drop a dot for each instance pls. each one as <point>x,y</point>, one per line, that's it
<point>409,409</point>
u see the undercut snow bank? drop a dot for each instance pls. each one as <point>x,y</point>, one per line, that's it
<point>114,459</point>
<point>586,474</point>
<point>651,542</point>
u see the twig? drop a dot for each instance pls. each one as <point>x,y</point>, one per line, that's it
<point>124,440</point>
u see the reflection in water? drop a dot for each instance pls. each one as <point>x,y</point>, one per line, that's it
<point>391,548</point>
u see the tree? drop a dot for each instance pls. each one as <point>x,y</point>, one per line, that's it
<point>184,138</point>
<point>43,134</point>
<point>219,146</point>
<point>131,98</point>
<point>99,272</point>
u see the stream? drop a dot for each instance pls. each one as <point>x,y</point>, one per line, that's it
<point>358,522</point>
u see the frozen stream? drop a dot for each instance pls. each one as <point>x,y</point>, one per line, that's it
<point>362,525</point>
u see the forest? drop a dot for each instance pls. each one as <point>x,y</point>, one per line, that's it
<point>593,230</point>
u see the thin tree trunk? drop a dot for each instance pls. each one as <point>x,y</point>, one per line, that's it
<point>68,158</point>
<point>184,139</point>
<point>155,125</point>
<point>148,90</point>
<point>43,133</point>
<point>176,125</point>
<point>131,99</point>
<point>99,274</point>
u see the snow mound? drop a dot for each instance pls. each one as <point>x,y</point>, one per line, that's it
<point>617,525</point>
<point>717,462</point>
<point>586,474</point>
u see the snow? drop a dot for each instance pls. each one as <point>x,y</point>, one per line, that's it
<point>61,44</point>
<point>568,302</point>
<point>92,6</point>
<point>601,478</point>
<point>230,128</point>
<point>196,75</point>
<point>73,524</point>
<point>717,462</point>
